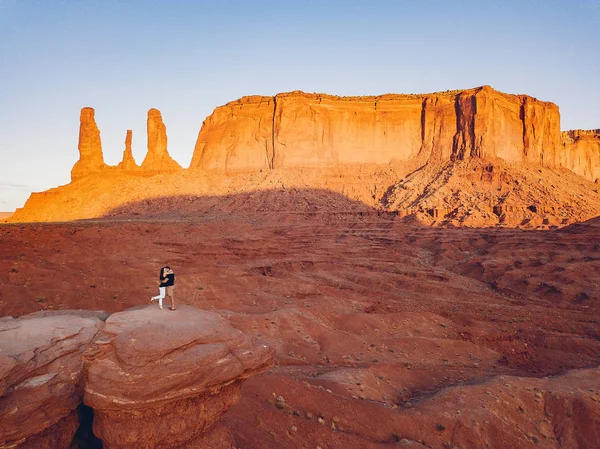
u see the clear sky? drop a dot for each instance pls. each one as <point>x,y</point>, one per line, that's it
<point>188,57</point>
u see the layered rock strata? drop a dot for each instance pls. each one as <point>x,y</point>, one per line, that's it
<point>351,145</point>
<point>40,378</point>
<point>303,130</point>
<point>161,379</point>
<point>155,378</point>
<point>581,153</point>
<point>296,129</point>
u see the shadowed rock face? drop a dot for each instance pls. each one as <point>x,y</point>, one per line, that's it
<point>370,318</point>
<point>90,147</point>
<point>157,159</point>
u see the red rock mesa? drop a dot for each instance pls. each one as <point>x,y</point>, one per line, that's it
<point>474,156</point>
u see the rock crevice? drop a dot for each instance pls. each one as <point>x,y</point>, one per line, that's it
<point>153,378</point>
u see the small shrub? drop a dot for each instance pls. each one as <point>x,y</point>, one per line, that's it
<point>440,427</point>
<point>93,286</point>
<point>40,299</point>
<point>581,297</point>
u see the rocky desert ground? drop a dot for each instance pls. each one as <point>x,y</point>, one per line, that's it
<point>445,296</point>
<point>385,333</point>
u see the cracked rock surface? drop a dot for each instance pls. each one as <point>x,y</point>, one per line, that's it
<point>161,378</point>
<point>40,373</point>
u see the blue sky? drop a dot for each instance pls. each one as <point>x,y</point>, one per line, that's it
<point>188,57</point>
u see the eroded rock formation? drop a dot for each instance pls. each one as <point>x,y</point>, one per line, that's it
<point>296,129</point>
<point>91,159</point>
<point>193,365</point>
<point>160,378</point>
<point>364,148</point>
<point>40,378</point>
<point>307,130</point>
<point>155,378</point>
<point>581,153</point>
<point>158,158</point>
<point>128,162</point>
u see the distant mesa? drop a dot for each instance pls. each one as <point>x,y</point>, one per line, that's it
<point>421,135</point>
<point>297,129</point>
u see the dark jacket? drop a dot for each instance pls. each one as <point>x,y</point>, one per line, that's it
<point>168,280</point>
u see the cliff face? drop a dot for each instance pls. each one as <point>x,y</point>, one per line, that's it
<point>580,153</point>
<point>304,130</point>
<point>293,130</point>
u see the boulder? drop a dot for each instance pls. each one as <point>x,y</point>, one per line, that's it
<point>161,378</point>
<point>40,378</point>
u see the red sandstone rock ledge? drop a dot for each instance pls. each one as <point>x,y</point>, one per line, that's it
<point>155,378</point>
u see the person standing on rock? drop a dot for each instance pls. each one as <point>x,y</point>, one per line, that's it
<point>169,283</point>
<point>162,288</point>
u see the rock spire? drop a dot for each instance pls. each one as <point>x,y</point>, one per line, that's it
<point>128,162</point>
<point>158,158</point>
<point>90,147</point>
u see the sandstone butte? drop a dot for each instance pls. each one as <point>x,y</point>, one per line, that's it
<point>153,378</point>
<point>350,137</point>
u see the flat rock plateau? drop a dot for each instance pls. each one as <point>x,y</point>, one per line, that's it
<point>445,296</point>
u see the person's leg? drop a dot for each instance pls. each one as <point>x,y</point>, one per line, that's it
<point>171,296</point>
<point>160,296</point>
